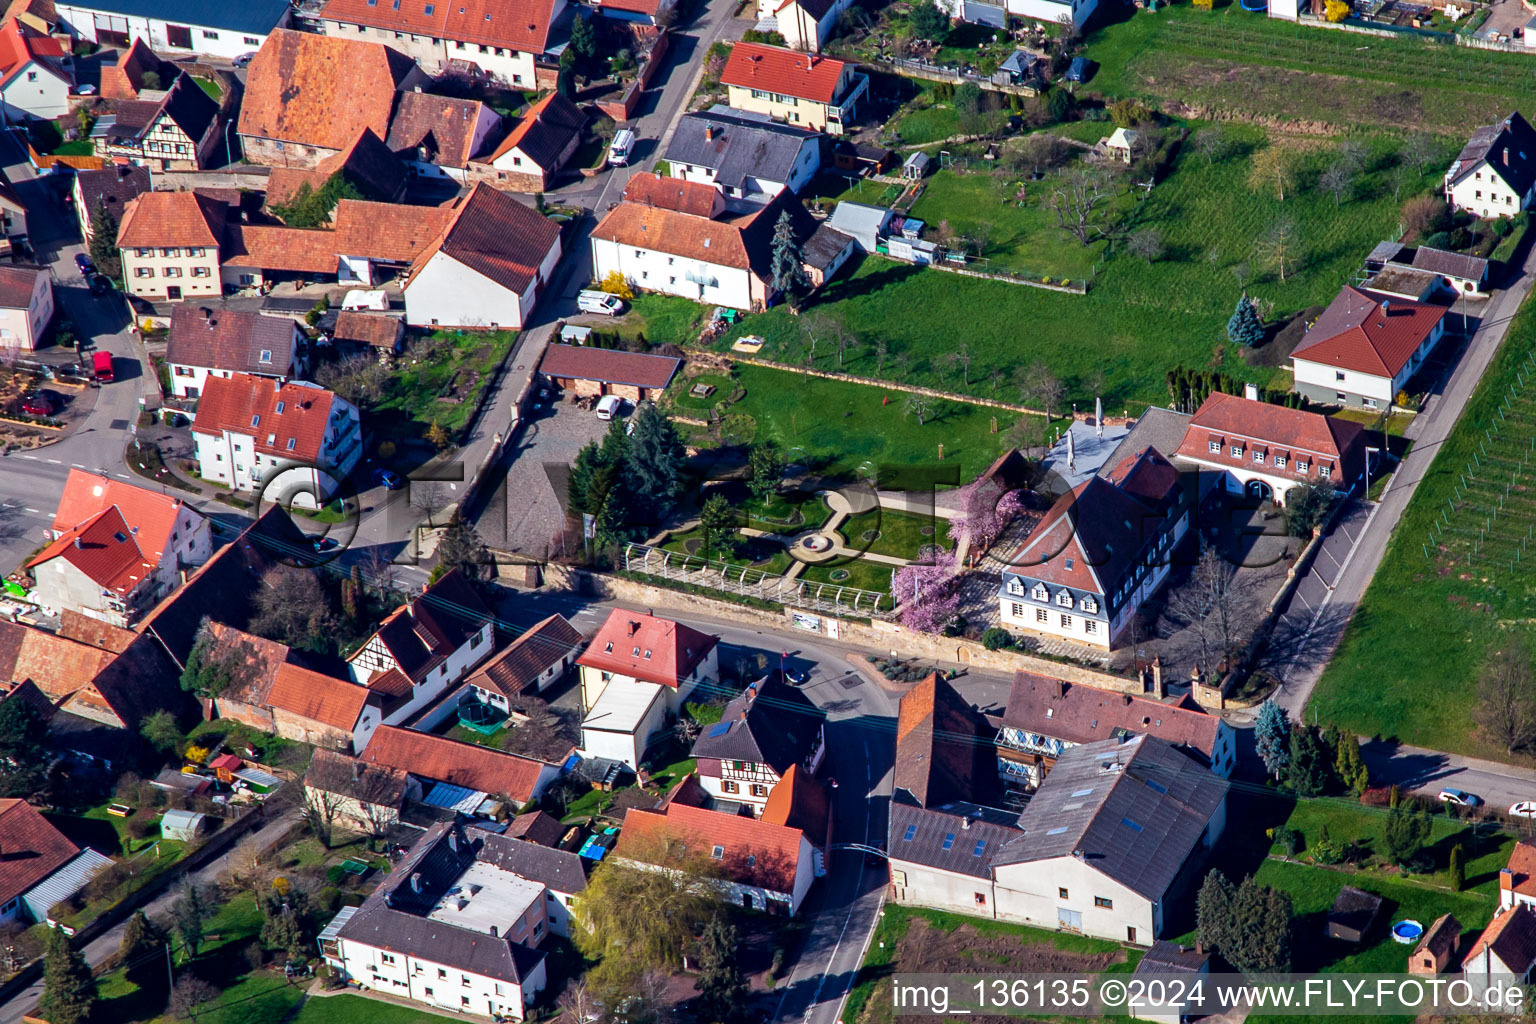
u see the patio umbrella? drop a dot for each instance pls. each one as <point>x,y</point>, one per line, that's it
<point>1071,451</point>
<point>1098,415</point>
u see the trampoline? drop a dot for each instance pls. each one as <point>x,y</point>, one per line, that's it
<point>481,718</point>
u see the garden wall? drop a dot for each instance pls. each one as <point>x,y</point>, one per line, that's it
<point>877,635</point>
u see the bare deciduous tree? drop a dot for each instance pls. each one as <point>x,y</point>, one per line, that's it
<point>320,808</point>
<point>1338,181</point>
<point>1146,243</point>
<point>1241,271</point>
<point>882,353</point>
<point>1077,198</point>
<point>190,994</point>
<point>843,339</point>
<point>361,379</point>
<point>1039,386</point>
<point>1277,250</point>
<point>577,1004</point>
<point>1418,150</point>
<point>963,360</point>
<point>1397,177</point>
<point>1506,699</point>
<point>996,375</point>
<point>1204,604</point>
<point>429,497</point>
<point>1212,144</point>
<point>918,405</point>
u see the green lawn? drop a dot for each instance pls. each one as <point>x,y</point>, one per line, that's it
<point>1386,679</point>
<point>660,319</point>
<point>410,405</point>
<point>859,573</point>
<point>210,87</point>
<point>886,531</point>
<point>1243,62</point>
<point>348,1009</point>
<point>757,552</point>
<point>1137,321</point>
<point>79,147</point>
<point>926,119</point>
<point>1024,237</point>
<point>839,425</point>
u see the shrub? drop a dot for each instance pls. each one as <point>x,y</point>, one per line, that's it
<point>1288,840</point>
<point>995,638</point>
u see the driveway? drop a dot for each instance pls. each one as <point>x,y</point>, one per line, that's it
<point>1504,18</point>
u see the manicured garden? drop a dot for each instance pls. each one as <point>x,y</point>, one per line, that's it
<point>1145,317</point>
<point>898,534</point>
<point>1384,679</point>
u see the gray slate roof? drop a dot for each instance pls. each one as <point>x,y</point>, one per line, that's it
<point>560,870</point>
<point>1134,810</point>
<point>1509,148</point>
<point>741,147</point>
<point>1449,264</point>
<point>1158,428</point>
<point>250,16</point>
<point>770,723</point>
<point>973,834</point>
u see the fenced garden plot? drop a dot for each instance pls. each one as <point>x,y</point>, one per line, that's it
<point>745,581</point>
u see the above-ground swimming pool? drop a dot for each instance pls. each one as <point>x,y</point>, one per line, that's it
<point>1407,932</point>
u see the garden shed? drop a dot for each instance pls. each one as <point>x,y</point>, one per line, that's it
<point>595,371</point>
<point>183,825</point>
<point>1353,914</point>
<point>915,167</point>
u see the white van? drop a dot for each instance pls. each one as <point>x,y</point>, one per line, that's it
<point>609,406</point>
<point>600,303</point>
<point>620,148</point>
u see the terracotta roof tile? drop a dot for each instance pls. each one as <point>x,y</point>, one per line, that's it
<point>1299,437</point>
<point>755,852</point>
<point>1511,935</point>
<point>112,187</point>
<point>123,80</point>
<point>943,750</point>
<point>1522,865</point>
<point>612,366</point>
<point>386,231</point>
<point>322,698</point>
<point>371,329</point>
<point>461,764</point>
<point>93,632</point>
<point>799,802</point>
<point>647,648</point>
<point>1082,714</point>
<point>366,162</point>
<point>497,237</point>
<point>523,661</point>
<point>515,24</point>
<point>57,666</point>
<point>543,132</point>
<point>435,129</point>
<point>320,90</point>
<point>22,48</point>
<point>32,849</point>
<point>297,432</point>
<point>1368,333</point>
<point>105,550</point>
<point>252,661</point>
<point>157,219</point>
<point>17,285</point>
<point>296,250</point>
<point>421,635</point>
<point>784,71</point>
<point>721,242</point>
<point>691,197</point>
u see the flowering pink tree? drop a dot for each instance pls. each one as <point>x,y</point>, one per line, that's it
<point>928,592</point>
<point>986,511</point>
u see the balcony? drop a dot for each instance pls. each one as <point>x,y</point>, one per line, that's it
<point>845,111</point>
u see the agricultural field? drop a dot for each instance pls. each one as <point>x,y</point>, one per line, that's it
<point>1240,62</point>
<point>1460,567</point>
<point>1145,317</point>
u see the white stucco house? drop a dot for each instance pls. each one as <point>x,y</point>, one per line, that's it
<point>1098,554</point>
<point>44,865</point>
<point>210,340</point>
<point>116,549</point>
<point>1364,347</point>
<point>279,437</point>
<point>426,647</point>
<point>487,269</point>
<point>753,158</point>
<point>456,926</point>
<point>804,24</point>
<point>1505,954</point>
<point>26,306</point>
<point>1494,175</point>
<point>175,26</point>
<point>36,75</point>
<point>1052,12</point>
<point>638,671</point>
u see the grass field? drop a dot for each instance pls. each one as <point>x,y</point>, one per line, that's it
<point>898,534</point>
<point>1023,238</point>
<point>349,1009</point>
<point>1137,321</point>
<point>841,424</point>
<point>929,120</point>
<point>1242,62</point>
<point>1384,679</point>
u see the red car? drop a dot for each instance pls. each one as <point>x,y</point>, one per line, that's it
<point>37,405</point>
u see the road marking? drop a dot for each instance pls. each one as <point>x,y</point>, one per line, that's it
<point>34,511</point>
<point>124,476</point>
<point>32,457</point>
<point>55,462</point>
<point>77,465</point>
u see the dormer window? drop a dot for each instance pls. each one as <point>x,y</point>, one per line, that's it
<point>1216,447</point>
<point>1237,451</point>
<point>609,648</point>
<point>1258,457</point>
<point>1064,599</point>
<point>1040,593</point>
<point>1088,604</point>
<point>266,356</point>
<point>256,420</point>
<point>1280,461</point>
<point>1302,466</point>
<point>1015,587</point>
<point>635,653</point>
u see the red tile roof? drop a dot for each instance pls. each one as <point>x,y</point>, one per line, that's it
<point>755,852</point>
<point>58,666</point>
<point>941,752</point>
<point>1522,867</point>
<point>1511,935</point>
<point>784,71</point>
<point>366,162</point>
<point>321,698</point>
<point>521,663</point>
<point>172,219</point>
<point>421,635</point>
<point>373,329</point>
<point>609,365</point>
<point>722,242</point>
<point>105,550</point>
<point>1296,436</point>
<point>799,802</point>
<point>543,132</point>
<point>514,24</point>
<point>497,237</point>
<point>297,432</point>
<point>321,90</point>
<point>30,848</point>
<point>18,285</point>
<point>269,247</point>
<point>151,516</point>
<point>21,48</point>
<point>1368,333</point>
<point>1083,714</point>
<point>691,197</point>
<point>102,635</point>
<point>436,129</point>
<point>386,231</point>
<point>461,764</point>
<point>647,648</point>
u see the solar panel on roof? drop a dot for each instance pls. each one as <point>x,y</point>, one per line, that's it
<point>719,729</point>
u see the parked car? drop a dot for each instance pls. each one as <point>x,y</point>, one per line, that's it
<point>87,268</point>
<point>621,147</point>
<point>1523,809</point>
<point>609,407</point>
<point>37,405</point>
<point>101,365</point>
<point>243,60</point>
<point>100,285</point>
<point>388,479</point>
<point>1460,798</point>
<point>323,544</point>
<point>1081,69</point>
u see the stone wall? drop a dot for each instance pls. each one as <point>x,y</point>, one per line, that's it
<point>878,635</point>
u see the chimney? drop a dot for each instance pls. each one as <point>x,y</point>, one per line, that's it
<point>493,931</point>
<point>1251,392</point>
<point>453,840</point>
<point>1386,306</point>
<point>1125,699</point>
<point>416,881</point>
<point>1506,880</point>
<point>1158,688</point>
<point>965,822</point>
<point>1058,688</point>
<point>78,545</point>
<point>634,627</point>
<point>709,133</point>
